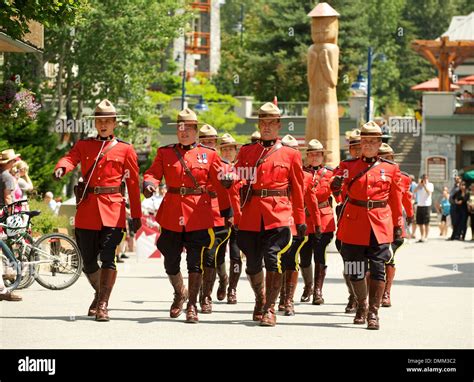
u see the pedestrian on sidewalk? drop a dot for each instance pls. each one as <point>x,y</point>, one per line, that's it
<point>424,191</point>
<point>444,208</point>
<point>460,199</point>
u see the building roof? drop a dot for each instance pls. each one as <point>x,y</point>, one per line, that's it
<point>461,28</point>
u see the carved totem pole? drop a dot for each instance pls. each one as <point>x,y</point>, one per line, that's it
<point>322,121</point>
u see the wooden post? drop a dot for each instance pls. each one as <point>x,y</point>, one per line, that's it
<point>322,121</point>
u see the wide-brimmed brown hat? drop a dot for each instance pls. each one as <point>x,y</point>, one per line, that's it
<point>386,149</point>
<point>207,131</point>
<point>187,117</point>
<point>353,138</point>
<point>228,140</point>
<point>291,141</point>
<point>269,111</point>
<point>255,136</point>
<point>315,145</point>
<point>8,155</point>
<point>105,109</point>
<point>370,129</point>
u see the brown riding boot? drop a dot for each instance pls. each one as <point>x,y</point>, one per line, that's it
<point>375,298</point>
<point>367,280</point>
<point>319,275</point>
<point>307,274</point>
<point>94,280</point>
<point>390,271</point>
<point>208,279</point>
<point>223,281</point>
<point>360,290</point>
<point>258,286</point>
<point>180,295</point>
<point>281,303</point>
<point>194,284</point>
<point>273,286</point>
<point>291,280</point>
<point>107,281</point>
<point>352,303</point>
<point>234,275</point>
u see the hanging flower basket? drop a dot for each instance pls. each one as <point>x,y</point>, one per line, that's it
<point>17,106</point>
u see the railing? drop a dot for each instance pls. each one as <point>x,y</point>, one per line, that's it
<point>198,43</point>
<point>203,5</point>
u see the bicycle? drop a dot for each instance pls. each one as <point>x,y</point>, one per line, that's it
<point>53,260</point>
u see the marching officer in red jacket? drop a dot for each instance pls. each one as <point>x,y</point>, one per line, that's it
<point>213,262</point>
<point>106,163</point>
<point>370,220</point>
<point>386,152</point>
<point>290,260</point>
<point>267,213</point>
<point>228,148</point>
<point>185,215</point>
<point>317,244</point>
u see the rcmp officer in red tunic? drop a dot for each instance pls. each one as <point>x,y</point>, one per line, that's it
<point>185,215</point>
<point>386,152</point>
<point>290,260</point>
<point>370,221</point>
<point>214,261</point>
<point>267,213</point>
<point>106,163</point>
<point>228,147</point>
<point>317,244</point>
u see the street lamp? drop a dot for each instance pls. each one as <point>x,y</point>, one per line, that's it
<point>370,59</point>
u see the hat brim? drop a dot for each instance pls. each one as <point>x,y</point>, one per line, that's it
<point>229,144</point>
<point>318,150</point>
<point>371,135</point>
<point>351,144</point>
<point>272,117</point>
<point>105,116</point>
<point>8,160</point>
<point>186,123</point>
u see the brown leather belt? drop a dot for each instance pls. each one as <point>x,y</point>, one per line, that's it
<point>106,190</point>
<point>187,190</point>
<point>369,204</point>
<point>212,194</point>
<point>323,204</point>
<point>265,192</point>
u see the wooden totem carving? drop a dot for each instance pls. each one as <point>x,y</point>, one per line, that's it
<point>322,121</point>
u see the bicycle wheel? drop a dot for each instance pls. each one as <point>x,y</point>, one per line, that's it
<point>58,261</point>
<point>21,250</point>
<point>9,260</point>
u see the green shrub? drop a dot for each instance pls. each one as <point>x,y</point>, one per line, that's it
<point>47,221</point>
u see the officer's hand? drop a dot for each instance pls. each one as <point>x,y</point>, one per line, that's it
<point>137,223</point>
<point>336,184</point>
<point>58,173</point>
<point>227,180</point>
<point>229,222</point>
<point>301,230</point>
<point>409,220</point>
<point>317,232</point>
<point>149,190</point>
<point>397,233</point>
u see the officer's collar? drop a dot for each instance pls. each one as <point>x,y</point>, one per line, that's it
<point>109,138</point>
<point>187,147</point>
<point>369,160</point>
<point>268,143</point>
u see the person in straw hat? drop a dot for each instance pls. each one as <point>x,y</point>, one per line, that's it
<point>273,172</point>
<point>228,147</point>
<point>7,186</point>
<point>387,152</point>
<point>290,260</point>
<point>370,221</point>
<point>213,262</point>
<point>317,243</point>
<point>7,180</point>
<point>185,215</point>
<point>107,164</point>
<point>255,136</point>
